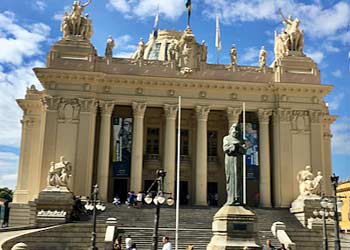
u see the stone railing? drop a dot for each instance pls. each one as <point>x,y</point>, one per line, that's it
<point>278,229</point>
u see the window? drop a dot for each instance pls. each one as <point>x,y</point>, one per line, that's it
<point>212,143</point>
<point>152,141</point>
<point>154,52</point>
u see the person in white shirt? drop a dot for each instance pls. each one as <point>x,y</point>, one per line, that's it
<point>128,242</point>
<point>166,243</point>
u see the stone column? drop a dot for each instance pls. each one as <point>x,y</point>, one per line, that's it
<point>201,155</point>
<point>317,163</point>
<point>327,138</point>
<point>233,114</point>
<point>170,112</point>
<point>137,146</point>
<point>265,167</point>
<point>21,192</point>
<point>85,150</point>
<point>283,174</point>
<point>104,148</point>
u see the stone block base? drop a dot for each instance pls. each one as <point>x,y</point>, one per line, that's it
<point>19,214</point>
<point>304,206</point>
<point>234,228</point>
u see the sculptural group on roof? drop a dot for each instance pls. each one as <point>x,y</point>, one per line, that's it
<point>74,24</point>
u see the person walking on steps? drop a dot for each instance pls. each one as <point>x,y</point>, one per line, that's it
<point>166,243</point>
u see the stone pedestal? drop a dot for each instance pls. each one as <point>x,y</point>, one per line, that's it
<point>303,208</point>
<point>234,228</point>
<point>53,206</point>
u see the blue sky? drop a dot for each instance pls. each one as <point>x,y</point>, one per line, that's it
<point>29,27</point>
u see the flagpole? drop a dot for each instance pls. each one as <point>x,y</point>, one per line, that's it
<point>244,161</point>
<point>178,176</point>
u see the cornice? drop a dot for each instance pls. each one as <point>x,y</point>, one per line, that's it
<point>51,77</point>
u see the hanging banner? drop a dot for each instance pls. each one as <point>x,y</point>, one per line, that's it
<point>122,142</point>
<point>252,156</point>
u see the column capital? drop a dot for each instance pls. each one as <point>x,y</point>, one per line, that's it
<point>106,107</point>
<point>316,116</point>
<point>50,103</point>
<point>285,115</point>
<point>233,114</point>
<point>139,109</point>
<point>88,105</point>
<point>28,122</point>
<point>202,112</point>
<point>170,111</point>
<point>264,115</point>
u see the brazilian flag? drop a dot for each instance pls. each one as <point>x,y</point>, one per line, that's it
<point>189,8</point>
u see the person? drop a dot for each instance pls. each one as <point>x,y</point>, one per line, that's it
<point>190,247</point>
<point>282,247</point>
<point>139,197</point>
<point>116,201</point>
<point>131,199</point>
<point>268,245</point>
<point>128,242</point>
<point>166,243</point>
<point>118,243</point>
<point>133,246</point>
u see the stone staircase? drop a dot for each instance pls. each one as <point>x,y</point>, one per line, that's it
<point>195,228</point>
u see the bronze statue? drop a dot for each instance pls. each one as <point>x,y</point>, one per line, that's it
<point>234,149</point>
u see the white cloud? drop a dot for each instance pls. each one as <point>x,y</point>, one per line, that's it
<point>8,169</point>
<point>40,5</point>
<point>8,156</point>
<point>341,136</point>
<point>317,56</point>
<point>124,47</point>
<point>329,47</point>
<point>335,101</point>
<point>317,20</point>
<point>170,9</point>
<point>337,73</point>
<point>250,55</point>
<point>8,180</point>
<point>20,41</point>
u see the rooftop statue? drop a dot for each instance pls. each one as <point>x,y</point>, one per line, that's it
<point>59,173</point>
<point>140,50</point>
<point>291,37</point>
<point>109,47</point>
<point>234,149</point>
<point>262,57</point>
<point>233,55</point>
<point>75,24</point>
<point>308,183</point>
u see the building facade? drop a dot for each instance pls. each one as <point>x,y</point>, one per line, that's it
<point>115,120</point>
<point>343,190</point>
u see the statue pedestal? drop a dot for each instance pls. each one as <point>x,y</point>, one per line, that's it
<point>303,208</point>
<point>234,228</point>
<point>53,206</point>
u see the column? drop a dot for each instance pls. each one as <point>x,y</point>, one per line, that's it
<point>170,112</point>
<point>137,146</point>
<point>104,148</point>
<point>327,138</point>
<point>85,149</point>
<point>264,158</point>
<point>283,174</point>
<point>233,114</point>
<point>21,192</point>
<point>201,155</point>
<point>317,163</point>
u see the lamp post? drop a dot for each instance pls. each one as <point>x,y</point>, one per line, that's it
<point>94,205</point>
<point>334,180</point>
<point>158,200</point>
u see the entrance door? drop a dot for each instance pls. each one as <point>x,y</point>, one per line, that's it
<point>212,193</point>
<point>184,193</point>
<point>120,189</point>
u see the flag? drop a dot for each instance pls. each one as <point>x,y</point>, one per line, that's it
<point>217,36</point>
<point>155,26</point>
<point>189,8</point>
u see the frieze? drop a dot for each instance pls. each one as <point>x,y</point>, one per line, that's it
<point>202,112</point>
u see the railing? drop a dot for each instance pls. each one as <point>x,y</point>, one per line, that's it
<point>278,229</point>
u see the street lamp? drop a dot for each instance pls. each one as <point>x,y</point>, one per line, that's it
<point>337,204</point>
<point>158,200</point>
<point>326,210</point>
<point>94,205</point>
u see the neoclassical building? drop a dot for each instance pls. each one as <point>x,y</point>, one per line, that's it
<point>115,119</point>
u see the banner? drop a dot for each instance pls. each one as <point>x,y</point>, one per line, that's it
<point>252,156</point>
<point>122,143</point>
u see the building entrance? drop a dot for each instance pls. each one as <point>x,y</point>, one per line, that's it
<point>120,188</point>
<point>184,193</point>
<point>213,193</point>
